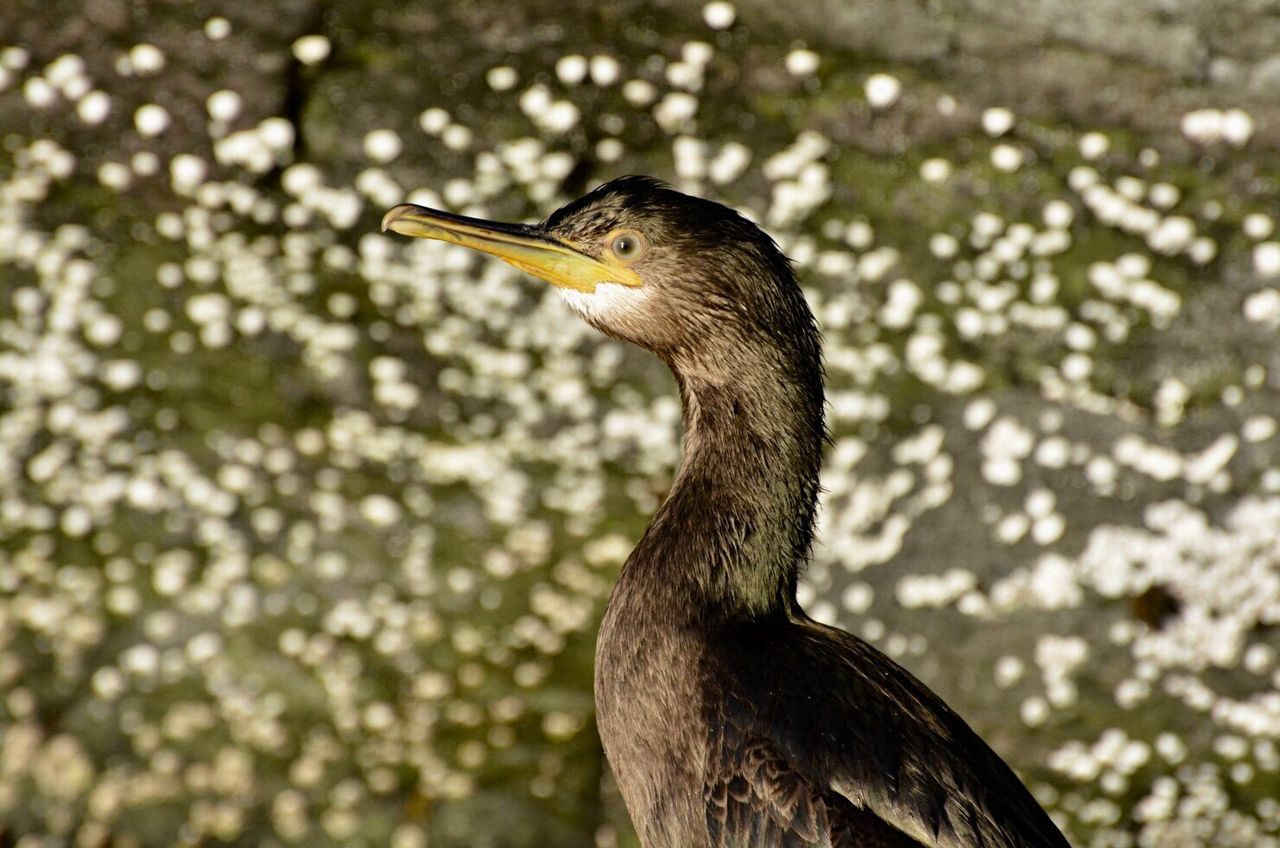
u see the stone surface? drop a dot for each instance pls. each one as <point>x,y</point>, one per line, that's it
<point>306,531</point>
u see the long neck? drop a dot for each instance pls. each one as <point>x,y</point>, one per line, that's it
<point>735,529</point>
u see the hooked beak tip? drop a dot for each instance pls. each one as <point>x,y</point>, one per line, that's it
<point>395,214</point>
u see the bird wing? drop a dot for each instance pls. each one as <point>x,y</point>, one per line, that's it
<point>756,799</point>
<point>814,734</point>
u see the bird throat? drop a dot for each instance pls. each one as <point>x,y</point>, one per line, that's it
<point>736,527</point>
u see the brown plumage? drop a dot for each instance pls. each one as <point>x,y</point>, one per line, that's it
<point>728,716</point>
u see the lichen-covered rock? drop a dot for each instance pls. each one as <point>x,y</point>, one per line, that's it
<point>306,531</point>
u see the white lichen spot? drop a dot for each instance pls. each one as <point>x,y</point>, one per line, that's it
<point>186,172</point>
<point>38,93</point>
<point>146,59</point>
<point>1034,711</point>
<point>571,69</point>
<point>1164,195</point>
<point>996,121</point>
<point>311,49</point>
<point>1008,671</point>
<point>276,133</point>
<point>801,62</point>
<point>382,145</point>
<point>719,14</point>
<point>729,163</point>
<point>605,70</point>
<point>935,170</point>
<point>223,105</point>
<point>882,90</point>
<point>675,110</point>
<point>217,28</point>
<point>639,92</point>
<point>502,78</point>
<point>151,119</point>
<point>1203,126</point>
<point>1263,307</point>
<point>1007,157</point>
<point>1266,259</point>
<point>1094,145</point>
<point>610,149</point>
<point>434,120</point>
<point>944,245</point>
<point>1258,225</point>
<point>94,107</point>
<point>1058,214</point>
<point>1237,127</point>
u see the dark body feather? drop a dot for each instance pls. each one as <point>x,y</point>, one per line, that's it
<point>730,718</point>
<point>783,732</point>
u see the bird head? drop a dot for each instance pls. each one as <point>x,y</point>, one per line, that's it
<point>687,278</point>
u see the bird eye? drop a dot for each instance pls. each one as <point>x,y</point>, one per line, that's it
<point>628,245</point>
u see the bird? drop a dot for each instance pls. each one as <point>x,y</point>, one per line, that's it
<point>730,718</point>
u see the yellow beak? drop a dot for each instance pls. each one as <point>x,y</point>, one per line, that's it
<point>527,248</point>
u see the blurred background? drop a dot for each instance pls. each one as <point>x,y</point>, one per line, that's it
<point>305,531</point>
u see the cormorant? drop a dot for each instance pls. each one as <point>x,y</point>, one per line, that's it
<point>730,718</point>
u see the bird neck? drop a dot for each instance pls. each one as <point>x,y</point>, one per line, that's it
<point>736,528</point>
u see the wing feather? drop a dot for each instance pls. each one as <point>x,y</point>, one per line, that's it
<point>756,798</point>
<point>817,739</point>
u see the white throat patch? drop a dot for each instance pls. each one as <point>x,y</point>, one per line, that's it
<point>607,304</point>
